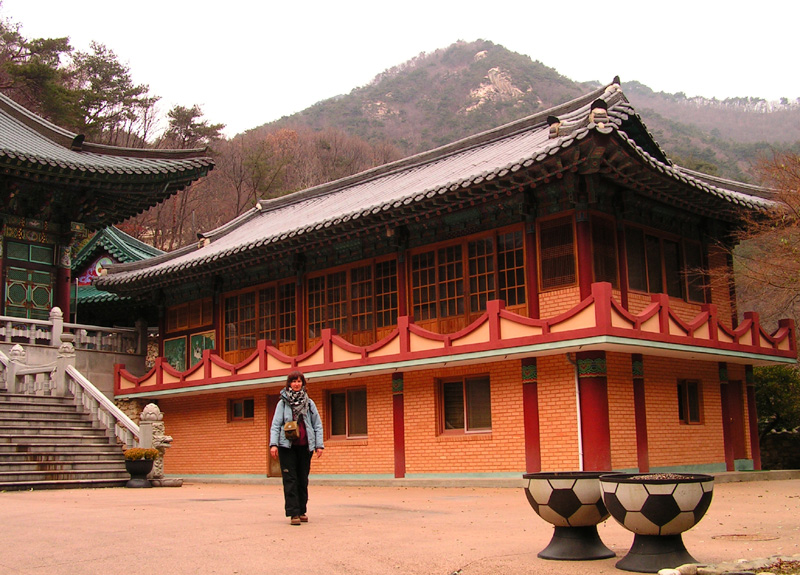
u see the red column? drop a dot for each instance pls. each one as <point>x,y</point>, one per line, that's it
<point>398,426</point>
<point>640,413</point>
<point>530,415</point>
<point>752,418</point>
<point>583,238</point>
<point>62,290</point>
<point>726,416</point>
<point>531,270</point>
<point>622,259</point>
<point>595,424</point>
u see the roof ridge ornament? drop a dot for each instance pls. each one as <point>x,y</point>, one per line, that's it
<point>77,143</point>
<point>554,124</point>
<point>599,113</point>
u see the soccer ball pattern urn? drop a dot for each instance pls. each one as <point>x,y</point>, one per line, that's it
<point>572,502</point>
<point>657,508</point>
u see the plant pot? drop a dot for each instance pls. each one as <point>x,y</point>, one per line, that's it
<point>572,502</point>
<point>657,508</point>
<point>139,469</point>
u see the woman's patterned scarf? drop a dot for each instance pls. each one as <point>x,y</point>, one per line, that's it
<point>298,401</point>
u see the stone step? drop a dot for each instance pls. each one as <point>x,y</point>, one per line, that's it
<point>57,427</point>
<point>58,448</point>
<point>61,475</point>
<point>80,483</point>
<point>111,453</point>
<point>49,414</point>
<point>59,465</point>
<point>45,404</point>
<point>24,398</point>
<point>85,438</point>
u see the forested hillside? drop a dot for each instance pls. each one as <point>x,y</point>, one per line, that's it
<point>431,100</point>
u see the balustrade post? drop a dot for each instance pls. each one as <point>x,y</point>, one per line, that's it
<point>17,357</point>
<point>66,356</point>
<point>57,321</point>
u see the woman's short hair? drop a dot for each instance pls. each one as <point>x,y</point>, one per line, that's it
<point>296,374</point>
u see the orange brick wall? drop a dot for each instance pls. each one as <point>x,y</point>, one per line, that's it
<point>503,450</point>
<point>206,443</point>
<point>621,414</point>
<point>558,415</point>
<point>554,302</point>
<point>669,441</point>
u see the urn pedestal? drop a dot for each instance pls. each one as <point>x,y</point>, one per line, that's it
<point>657,508</point>
<point>139,469</point>
<point>572,502</point>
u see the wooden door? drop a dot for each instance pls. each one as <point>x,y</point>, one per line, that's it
<point>737,421</point>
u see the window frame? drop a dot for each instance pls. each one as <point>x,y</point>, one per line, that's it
<point>258,326</point>
<point>690,394</point>
<point>369,303</point>
<point>667,276</point>
<point>331,417</point>
<point>244,402</point>
<point>545,283</point>
<point>442,415</point>
<point>438,283</point>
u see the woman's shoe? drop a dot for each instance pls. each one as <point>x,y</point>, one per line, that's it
<point>304,518</point>
<point>295,520</point>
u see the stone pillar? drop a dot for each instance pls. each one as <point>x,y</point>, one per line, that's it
<point>18,358</point>
<point>66,357</point>
<point>152,435</point>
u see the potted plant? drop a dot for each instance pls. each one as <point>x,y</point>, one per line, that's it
<point>657,508</point>
<point>572,502</point>
<point>139,463</point>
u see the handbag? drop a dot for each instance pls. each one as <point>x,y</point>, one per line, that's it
<point>290,430</point>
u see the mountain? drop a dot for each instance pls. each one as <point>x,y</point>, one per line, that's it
<point>470,87</point>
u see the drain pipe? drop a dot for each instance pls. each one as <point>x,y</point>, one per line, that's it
<point>578,410</point>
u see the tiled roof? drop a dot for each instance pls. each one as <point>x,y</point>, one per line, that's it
<point>524,148</point>
<point>123,247</point>
<point>122,181</point>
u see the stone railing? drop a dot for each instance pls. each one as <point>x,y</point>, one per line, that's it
<point>86,337</point>
<point>60,378</point>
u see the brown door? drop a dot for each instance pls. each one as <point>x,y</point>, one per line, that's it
<point>273,465</point>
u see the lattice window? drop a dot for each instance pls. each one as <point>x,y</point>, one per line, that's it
<point>481,273</point>
<point>604,251</point>
<point>451,281</point>
<point>267,315</point>
<point>557,253</point>
<point>386,293</point>
<point>336,299</point>
<point>423,278</point>
<point>361,298</point>
<point>655,265</point>
<point>511,268</point>
<point>287,313</point>
<point>316,306</point>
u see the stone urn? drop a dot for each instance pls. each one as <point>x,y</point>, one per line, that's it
<point>657,508</point>
<point>139,469</point>
<point>572,502</point>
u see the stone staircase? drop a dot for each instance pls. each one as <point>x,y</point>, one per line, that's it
<point>47,443</point>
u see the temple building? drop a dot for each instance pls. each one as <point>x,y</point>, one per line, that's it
<point>56,189</point>
<point>540,296</point>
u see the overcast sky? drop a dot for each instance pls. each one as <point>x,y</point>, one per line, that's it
<point>247,62</point>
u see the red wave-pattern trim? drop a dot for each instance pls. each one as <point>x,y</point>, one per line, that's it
<point>597,315</point>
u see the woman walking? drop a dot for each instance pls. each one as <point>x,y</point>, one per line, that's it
<point>295,454</point>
